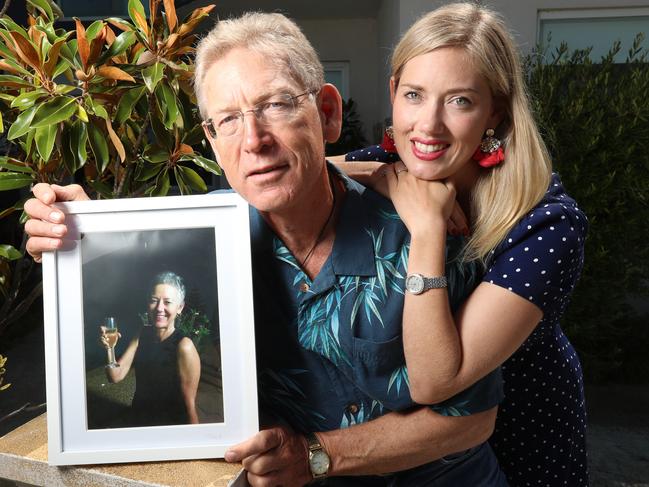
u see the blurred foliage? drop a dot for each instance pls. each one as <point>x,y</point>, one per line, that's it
<point>107,105</point>
<point>594,115</point>
<point>351,134</point>
<point>3,361</point>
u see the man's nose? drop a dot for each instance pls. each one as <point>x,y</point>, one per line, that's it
<point>255,133</point>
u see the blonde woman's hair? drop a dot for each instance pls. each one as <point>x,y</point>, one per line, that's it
<point>271,34</point>
<point>505,193</point>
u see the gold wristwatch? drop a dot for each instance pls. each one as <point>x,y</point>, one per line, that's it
<point>319,461</point>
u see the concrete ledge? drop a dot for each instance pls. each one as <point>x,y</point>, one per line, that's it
<point>23,458</point>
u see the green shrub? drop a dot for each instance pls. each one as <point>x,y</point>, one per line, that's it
<point>595,118</point>
<point>108,105</point>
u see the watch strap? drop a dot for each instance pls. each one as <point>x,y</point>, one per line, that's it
<point>437,282</point>
<point>315,447</point>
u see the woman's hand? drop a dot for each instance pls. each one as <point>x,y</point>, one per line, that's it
<point>103,337</point>
<point>424,206</point>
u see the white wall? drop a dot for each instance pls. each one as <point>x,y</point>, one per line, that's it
<point>352,40</point>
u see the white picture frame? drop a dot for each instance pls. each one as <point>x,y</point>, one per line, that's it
<point>104,245</point>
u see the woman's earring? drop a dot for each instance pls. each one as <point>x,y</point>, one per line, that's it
<point>388,140</point>
<point>490,152</point>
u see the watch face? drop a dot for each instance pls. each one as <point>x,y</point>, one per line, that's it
<point>415,283</point>
<point>319,462</point>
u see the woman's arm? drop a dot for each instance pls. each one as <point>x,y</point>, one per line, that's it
<point>117,374</point>
<point>446,354</point>
<point>189,368</point>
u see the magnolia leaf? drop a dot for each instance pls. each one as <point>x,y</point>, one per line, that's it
<point>82,114</point>
<point>78,141</point>
<point>9,253</point>
<point>4,164</point>
<point>121,24</point>
<point>62,66</point>
<point>127,102</point>
<point>162,184</point>
<point>13,67</point>
<point>167,104</point>
<point>112,72</point>
<point>99,147</point>
<point>52,57</point>
<point>138,16</point>
<point>162,135</point>
<point>170,11</point>
<point>192,178</point>
<point>44,7</point>
<point>185,149</point>
<point>69,158</point>
<point>94,29</point>
<point>2,125</point>
<point>146,171</point>
<point>26,50</point>
<point>11,180</point>
<point>194,19</point>
<point>203,163</point>
<point>56,110</point>
<point>115,140</point>
<point>44,138</point>
<point>122,43</point>
<point>22,124</point>
<point>155,154</point>
<point>64,89</point>
<point>26,100</point>
<point>152,75</point>
<point>10,25</point>
<point>82,44</point>
<point>100,111</point>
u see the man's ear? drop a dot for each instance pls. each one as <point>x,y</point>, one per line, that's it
<point>393,89</point>
<point>330,105</point>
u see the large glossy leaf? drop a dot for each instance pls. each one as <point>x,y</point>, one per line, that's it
<point>26,50</point>
<point>167,104</point>
<point>43,6</point>
<point>9,252</point>
<point>54,111</point>
<point>119,147</point>
<point>192,178</point>
<point>121,24</point>
<point>9,166</point>
<point>203,163</point>
<point>162,184</point>
<point>10,25</point>
<point>82,44</point>
<point>22,124</point>
<point>78,141</point>
<point>194,19</point>
<point>146,171</point>
<point>2,125</point>
<point>138,16</point>
<point>112,72</point>
<point>26,100</point>
<point>122,43</point>
<point>12,180</point>
<point>52,57</point>
<point>127,102</point>
<point>44,138</point>
<point>170,12</point>
<point>162,135</point>
<point>94,29</point>
<point>13,67</point>
<point>69,158</point>
<point>152,75</point>
<point>155,154</point>
<point>99,146</point>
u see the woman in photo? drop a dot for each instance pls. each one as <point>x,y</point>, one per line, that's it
<point>468,143</point>
<point>167,365</point>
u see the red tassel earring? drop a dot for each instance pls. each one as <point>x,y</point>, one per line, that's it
<point>490,152</point>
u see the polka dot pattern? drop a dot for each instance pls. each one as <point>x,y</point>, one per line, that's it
<point>540,436</point>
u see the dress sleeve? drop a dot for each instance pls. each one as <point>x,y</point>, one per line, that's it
<point>542,257</point>
<point>372,153</point>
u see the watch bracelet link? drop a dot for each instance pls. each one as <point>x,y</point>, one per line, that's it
<point>437,282</point>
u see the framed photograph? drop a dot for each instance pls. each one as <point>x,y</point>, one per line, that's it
<point>149,332</point>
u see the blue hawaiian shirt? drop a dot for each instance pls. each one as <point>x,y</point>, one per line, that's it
<point>329,350</point>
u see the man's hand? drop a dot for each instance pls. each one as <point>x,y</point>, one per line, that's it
<point>276,456</point>
<point>45,226</point>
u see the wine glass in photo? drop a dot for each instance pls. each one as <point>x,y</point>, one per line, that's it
<point>111,334</point>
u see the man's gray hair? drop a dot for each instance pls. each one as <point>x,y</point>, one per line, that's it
<point>271,34</point>
<point>171,279</point>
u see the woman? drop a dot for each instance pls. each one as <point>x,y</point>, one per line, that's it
<point>463,129</point>
<point>166,363</point>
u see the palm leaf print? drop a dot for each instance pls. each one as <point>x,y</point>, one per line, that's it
<point>399,377</point>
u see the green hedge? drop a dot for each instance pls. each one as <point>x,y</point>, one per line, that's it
<point>595,118</point>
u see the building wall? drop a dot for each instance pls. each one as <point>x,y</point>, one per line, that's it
<point>355,41</point>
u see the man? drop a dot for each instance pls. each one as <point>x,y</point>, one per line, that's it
<point>328,260</point>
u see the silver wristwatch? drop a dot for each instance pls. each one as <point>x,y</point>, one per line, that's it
<point>319,461</point>
<point>417,284</point>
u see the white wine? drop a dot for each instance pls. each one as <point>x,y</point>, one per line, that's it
<point>111,337</point>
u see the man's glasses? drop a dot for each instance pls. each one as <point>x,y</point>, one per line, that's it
<point>277,109</point>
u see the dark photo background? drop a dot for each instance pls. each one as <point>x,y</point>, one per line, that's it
<point>117,272</point>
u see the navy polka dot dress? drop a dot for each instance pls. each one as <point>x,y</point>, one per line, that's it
<point>540,435</point>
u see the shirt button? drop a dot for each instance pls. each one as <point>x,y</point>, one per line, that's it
<point>352,408</point>
<point>304,287</point>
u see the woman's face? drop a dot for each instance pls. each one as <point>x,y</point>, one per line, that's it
<point>164,305</point>
<point>441,109</point>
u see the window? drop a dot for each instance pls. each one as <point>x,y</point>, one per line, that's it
<point>598,29</point>
<point>337,73</point>
<point>88,10</point>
